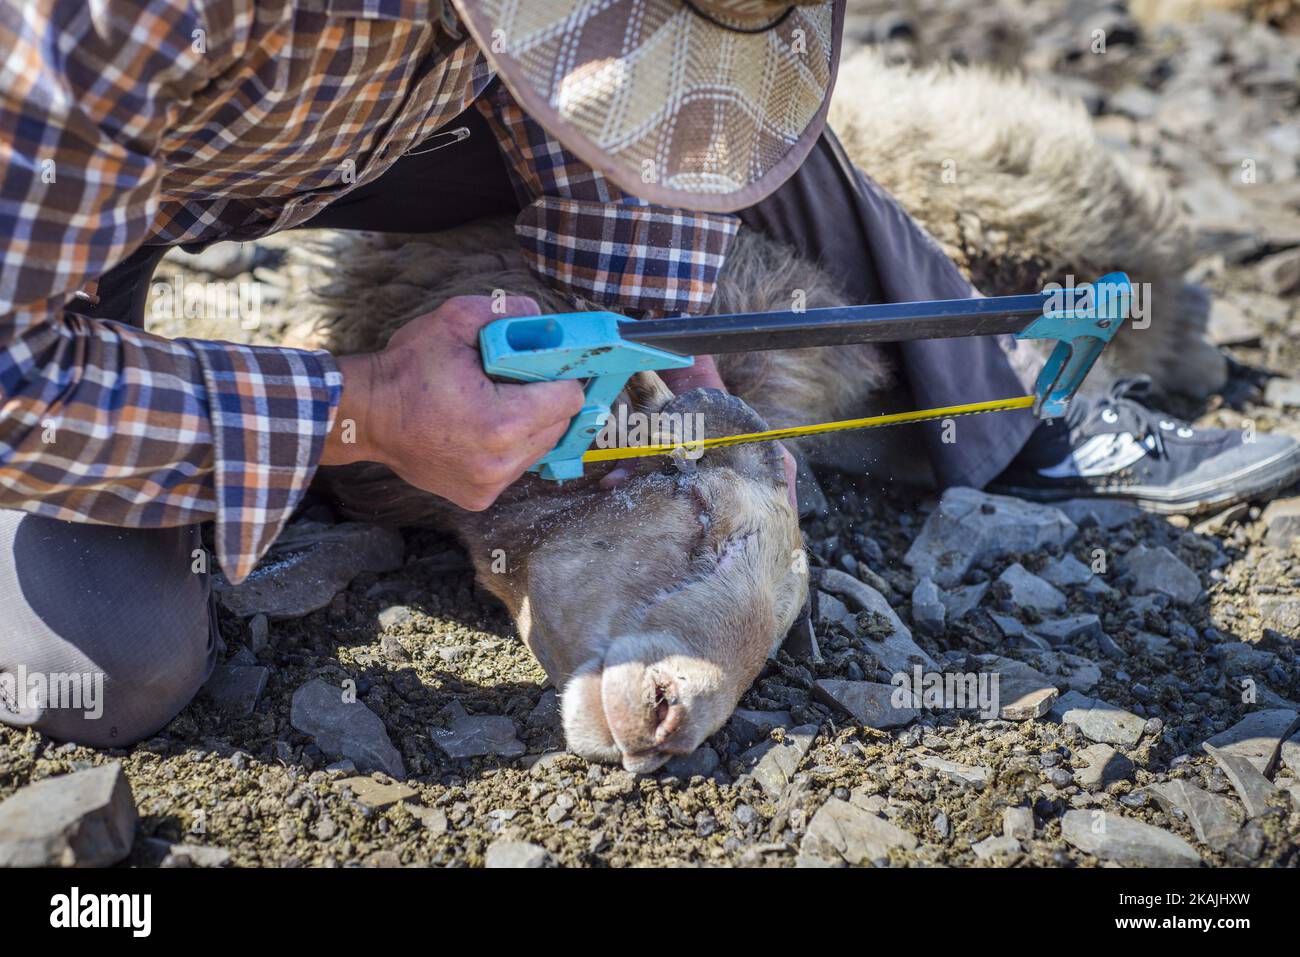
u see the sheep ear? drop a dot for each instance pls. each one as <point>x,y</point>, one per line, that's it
<point>646,392</point>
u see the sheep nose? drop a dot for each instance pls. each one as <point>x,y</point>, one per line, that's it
<point>644,709</point>
<point>669,711</point>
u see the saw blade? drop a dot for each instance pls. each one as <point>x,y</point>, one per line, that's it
<point>801,431</point>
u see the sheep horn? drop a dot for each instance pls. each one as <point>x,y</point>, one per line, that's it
<point>726,414</point>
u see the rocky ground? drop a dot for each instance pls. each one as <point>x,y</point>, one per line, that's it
<point>1148,667</point>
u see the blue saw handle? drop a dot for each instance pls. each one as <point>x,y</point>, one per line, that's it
<point>572,345</point>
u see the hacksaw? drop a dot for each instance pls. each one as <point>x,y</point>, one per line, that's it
<point>606,349</point>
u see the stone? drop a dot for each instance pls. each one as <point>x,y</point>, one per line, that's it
<point>547,712</point>
<point>344,729</point>
<point>258,633</point>
<point>378,794</point>
<point>395,615</point>
<point>1106,513</point>
<point>1066,571</point>
<point>1157,570</point>
<point>1281,613</point>
<point>831,609</point>
<point>1257,737</point>
<point>762,721</point>
<point>308,565</point>
<point>1251,786</point>
<point>1282,393</point>
<point>701,762</point>
<point>928,610</point>
<point>471,736</point>
<point>1024,693</point>
<point>516,854</point>
<point>1243,658</point>
<point>1290,752</point>
<point>1134,101</point>
<point>1073,672</point>
<point>1127,842</point>
<point>1078,672</point>
<point>969,526</point>
<point>772,763</point>
<point>1098,720</point>
<point>958,773</point>
<point>840,830</point>
<point>434,819</point>
<point>800,639</point>
<point>1214,818</point>
<point>1224,520</point>
<point>1221,215</point>
<point>193,855</point>
<point>869,703</point>
<point>891,645</point>
<point>1282,519</point>
<point>242,656</point>
<point>1153,644</point>
<point>1069,630</point>
<point>1279,275</point>
<point>1102,767</point>
<point>959,601</point>
<point>237,688</point>
<point>1018,823</point>
<point>1268,698</point>
<point>1231,324</point>
<point>997,845</point>
<point>1027,705</point>
<point>1030,591</point>
<point>83,819</point>
<point>1010,627</point>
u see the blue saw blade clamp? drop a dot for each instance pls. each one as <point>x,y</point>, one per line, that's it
<point>1081,334</point>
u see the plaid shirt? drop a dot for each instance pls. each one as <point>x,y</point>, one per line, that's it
<point>131,122</point>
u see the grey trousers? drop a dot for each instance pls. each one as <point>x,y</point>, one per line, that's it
<point>124,605</point>
<point>105,633</point>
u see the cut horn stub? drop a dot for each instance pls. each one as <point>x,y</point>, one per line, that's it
<point>723,414</point>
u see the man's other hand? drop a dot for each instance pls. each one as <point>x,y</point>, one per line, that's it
<point>424,407</point>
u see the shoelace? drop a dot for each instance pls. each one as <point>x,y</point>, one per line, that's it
<point>1130,413</point>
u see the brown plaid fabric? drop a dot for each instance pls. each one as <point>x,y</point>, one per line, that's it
<point>591,239</point>
<point>130,122</point>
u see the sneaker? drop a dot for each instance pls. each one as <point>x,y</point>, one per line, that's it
<point>1117,447</point>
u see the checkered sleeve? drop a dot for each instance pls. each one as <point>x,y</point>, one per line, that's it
<point>596,243</point>
<point>100,422</point>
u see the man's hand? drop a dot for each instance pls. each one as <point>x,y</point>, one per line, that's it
<point>424,407</point>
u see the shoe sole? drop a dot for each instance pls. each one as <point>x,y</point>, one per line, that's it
<point>1259,479</point>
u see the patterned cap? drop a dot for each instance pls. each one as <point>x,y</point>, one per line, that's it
<point>700,104</point>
